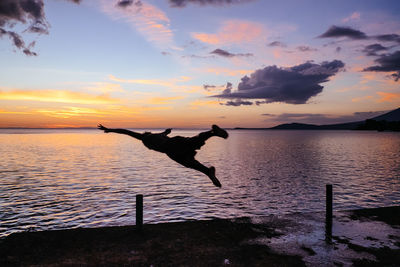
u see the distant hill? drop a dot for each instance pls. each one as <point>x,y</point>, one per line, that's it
<point>391,116</point>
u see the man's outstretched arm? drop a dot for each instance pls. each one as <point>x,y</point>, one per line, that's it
<point>121,131</point>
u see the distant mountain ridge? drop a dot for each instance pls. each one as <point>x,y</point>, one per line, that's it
<point>393,115</point>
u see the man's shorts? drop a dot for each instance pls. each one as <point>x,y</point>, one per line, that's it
<point>184,146</point>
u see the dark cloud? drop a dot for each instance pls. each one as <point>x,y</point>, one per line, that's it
<point>209,87</point>
<point>388,38</point>
<point>24,11</point>
<point>224,53</point>
<point>164,53</point>
<point>304,48</point>
<point>29,12</point>
<point>338,49</point>
<point>276,43</point>
<point>183,3</point>
<point>371,50</point>
<point>238,102</point>
<point>321,119</point>
<point>336,31</point>
<point>294,85</point>
<point>396,76</point>
<point>226,88</point>
<point>126,3</point>
<point>18,42</point>
<point>386,62</point>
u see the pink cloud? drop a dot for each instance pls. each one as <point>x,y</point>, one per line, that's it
<point>231,32</point>
<point>147,19</point>
<point>353,16</point>
<point>388,97</point>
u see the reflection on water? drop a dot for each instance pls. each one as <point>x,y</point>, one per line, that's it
<point>53,179</point>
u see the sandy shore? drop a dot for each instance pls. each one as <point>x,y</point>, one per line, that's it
<point>368,237</point>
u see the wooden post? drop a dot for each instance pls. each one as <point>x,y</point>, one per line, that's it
<point>139,211</point>
<point>328,215</point>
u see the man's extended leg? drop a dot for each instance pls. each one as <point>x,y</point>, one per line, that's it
<point>191,162</point>
<point>121,131</point>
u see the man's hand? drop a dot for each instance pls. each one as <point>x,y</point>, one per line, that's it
<point>101,127</point>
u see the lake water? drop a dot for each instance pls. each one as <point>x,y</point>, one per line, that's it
<point>56,179</point>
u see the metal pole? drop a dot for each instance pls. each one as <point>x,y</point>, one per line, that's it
<point>139,211</point>
<point>328,216</point>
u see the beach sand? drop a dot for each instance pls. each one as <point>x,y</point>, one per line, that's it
<point>367,237</point>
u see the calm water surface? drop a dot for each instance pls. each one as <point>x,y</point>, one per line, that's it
<point>55,179</point>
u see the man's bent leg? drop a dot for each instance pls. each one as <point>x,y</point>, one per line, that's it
<point>199,140</point>
<point>192,163</point>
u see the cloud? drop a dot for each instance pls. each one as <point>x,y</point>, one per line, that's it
<point>58,96</point>
<point>294,85</point>
<point>336,32</point>
<point>228,88</point>
<point>183,3</point>
<point>231,32</point>
<point>237,102</point>
<point>29,12</point>
<point>353,16</point>
<point>18,42</point>
<point>396,76</point>
<point>387,63</point>
<point>388,37</point>
<point>388,97</point>
<point>25,12</point>
<point>224,53</point>
<point>209,87</point>
<point>276,44</point>
<point>370,50</point>
<point>304,48</point>
<point>224,88</point>
<point>150,21</point>
<point>126,3</point>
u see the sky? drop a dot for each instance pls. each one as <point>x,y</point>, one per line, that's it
<point>194,63</point>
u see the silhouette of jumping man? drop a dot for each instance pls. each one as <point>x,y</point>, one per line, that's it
<point>178,148</point>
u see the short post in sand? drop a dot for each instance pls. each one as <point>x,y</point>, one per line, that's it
<point>328,214</point>
<point>139,211</point>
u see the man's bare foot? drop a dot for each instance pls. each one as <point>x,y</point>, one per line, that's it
<point>214,179</point>
<point>167,131</point>
<point>219,132</point>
